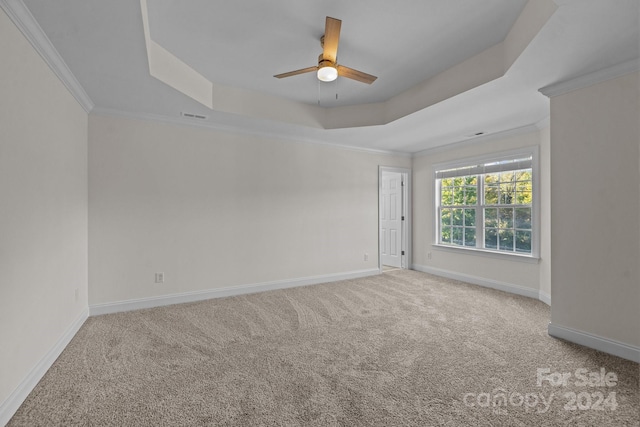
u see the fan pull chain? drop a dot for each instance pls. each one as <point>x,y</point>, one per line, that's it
<point>318,91</point>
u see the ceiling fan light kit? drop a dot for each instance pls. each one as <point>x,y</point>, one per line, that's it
<point>328,70</point>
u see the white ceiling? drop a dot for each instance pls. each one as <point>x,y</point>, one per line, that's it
<point>243,44</point>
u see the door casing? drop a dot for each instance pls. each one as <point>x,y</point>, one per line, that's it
<point>406,212</point>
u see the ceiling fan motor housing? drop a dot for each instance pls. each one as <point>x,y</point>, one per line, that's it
<point>325,62</point>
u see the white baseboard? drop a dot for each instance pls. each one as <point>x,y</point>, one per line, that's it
<point>544,297</point>
<point>586,339</point>
<point>18,396</point>
<point>11,404</point>
<point>141,303</point>
<point>480,281</point>
<point>606,345</point>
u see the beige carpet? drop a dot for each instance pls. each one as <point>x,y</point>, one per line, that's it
<point>402,348</point>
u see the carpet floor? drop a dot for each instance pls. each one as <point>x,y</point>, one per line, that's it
<point>401,348</point>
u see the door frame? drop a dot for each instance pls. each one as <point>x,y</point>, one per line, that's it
<point>406,210</point>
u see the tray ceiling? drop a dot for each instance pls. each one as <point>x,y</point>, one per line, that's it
<point>413,47</point>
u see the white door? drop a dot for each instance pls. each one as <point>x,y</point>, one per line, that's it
<point>391,219</point>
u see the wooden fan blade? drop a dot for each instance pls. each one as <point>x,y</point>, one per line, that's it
<point>296,72</point>
<point>350,73</point>
<point>331,39</point>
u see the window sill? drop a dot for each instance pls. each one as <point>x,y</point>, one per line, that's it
<point>531,259</point>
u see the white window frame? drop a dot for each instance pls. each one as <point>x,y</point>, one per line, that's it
<point>535,202</point>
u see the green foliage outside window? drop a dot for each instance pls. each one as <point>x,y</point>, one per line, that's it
<point>503,212</point>
<point>457,223</point>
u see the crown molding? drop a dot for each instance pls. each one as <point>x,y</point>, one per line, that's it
<point>484,138</point>
<point>591,79</point>
<point>18,12</point>
<point>185,121</point>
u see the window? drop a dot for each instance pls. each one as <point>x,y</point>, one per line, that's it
<point>488,205</point>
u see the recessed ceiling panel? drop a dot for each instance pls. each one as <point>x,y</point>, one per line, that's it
<point>242,44</point>
<point>245,43</point>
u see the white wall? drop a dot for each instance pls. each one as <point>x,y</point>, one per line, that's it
<point>43,209</point>
<point>545,214</point>
<point>213,210</point>
<point>513,272</point>
<point>595,143</point>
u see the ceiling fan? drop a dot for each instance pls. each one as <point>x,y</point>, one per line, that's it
<point>328,69</point>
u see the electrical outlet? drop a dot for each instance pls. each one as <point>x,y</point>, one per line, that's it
<point>76,294</point>
<point>428,255</point>
<point>159,277</point>
<point>366,257</point>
